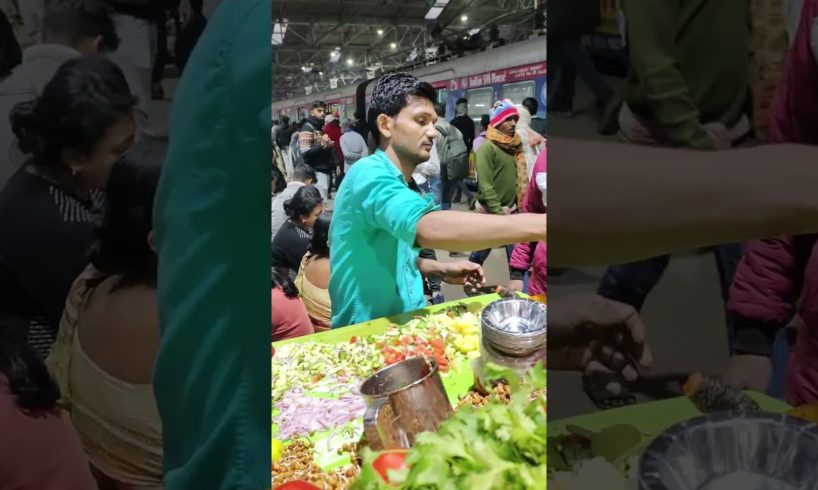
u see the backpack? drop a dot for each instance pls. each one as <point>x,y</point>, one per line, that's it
<point>285,136</point>
<point>453,152</point>
<point>295,153</point>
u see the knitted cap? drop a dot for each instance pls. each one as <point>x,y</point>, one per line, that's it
<point>329,119</point>
<point>502,110</point>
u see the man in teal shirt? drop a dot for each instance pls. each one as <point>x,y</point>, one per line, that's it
<point>380,225</point>
<point>212,374</point>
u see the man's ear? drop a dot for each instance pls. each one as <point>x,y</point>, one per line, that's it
<point>384,124</point>
<point>152,241</point>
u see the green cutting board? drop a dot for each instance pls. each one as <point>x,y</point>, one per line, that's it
<point>653,417</point>
<point>457,381</point>
<point>379,326</point>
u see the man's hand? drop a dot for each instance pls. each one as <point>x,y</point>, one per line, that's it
<point>326,142</point>
<point>603,339</point>
<point>749,372</point>
<point>463,273</point>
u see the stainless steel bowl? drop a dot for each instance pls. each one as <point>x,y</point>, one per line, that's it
<point>515,326</point>
<point>749,451</point>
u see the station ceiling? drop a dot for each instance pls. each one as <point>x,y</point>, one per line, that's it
<point>321,43</point>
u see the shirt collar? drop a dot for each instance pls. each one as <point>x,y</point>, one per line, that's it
<point>392,168</point>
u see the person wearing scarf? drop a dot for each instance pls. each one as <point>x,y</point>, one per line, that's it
<point>507,146</point>
<point>533,142</point>
<point>502,168</point>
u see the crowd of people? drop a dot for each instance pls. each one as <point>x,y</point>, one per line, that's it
<point>679,95</point>
<point>393,182</point>
<point>80,275</point>
<point>79,315</point>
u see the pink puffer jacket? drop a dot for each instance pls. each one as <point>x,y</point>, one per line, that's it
<point>794,109</point>
<point>532,255</point>
<point>771,279</point>
<point>775,275</point>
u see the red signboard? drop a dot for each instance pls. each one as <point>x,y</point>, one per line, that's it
<point>508,75</point>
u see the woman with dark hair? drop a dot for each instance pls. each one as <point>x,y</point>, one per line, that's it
<point>40,450</point>
<point>313,276</point>
<point>109,334</point>
<point>73,133</point>
<point>289,317</point>
<point>293,239</point>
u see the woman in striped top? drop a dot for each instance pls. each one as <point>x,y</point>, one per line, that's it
<point>73,133</point>
<point>293,239</point>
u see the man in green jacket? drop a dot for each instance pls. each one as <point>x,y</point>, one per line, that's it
<point>496,166</point>
<point>688,87</point>
<point>688,82</point>
<point>212,380</point>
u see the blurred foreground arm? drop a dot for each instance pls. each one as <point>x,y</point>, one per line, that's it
<point>614,203</point>
<point>457,231</point>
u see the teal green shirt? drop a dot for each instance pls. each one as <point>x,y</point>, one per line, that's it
<point>373,256</point>
<point>212,377</point>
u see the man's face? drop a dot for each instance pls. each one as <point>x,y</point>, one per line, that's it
<point>508,126</point>
<point>319,113</point>
<point>413,131</point>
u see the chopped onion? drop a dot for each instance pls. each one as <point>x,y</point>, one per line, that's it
<point>300,414</point>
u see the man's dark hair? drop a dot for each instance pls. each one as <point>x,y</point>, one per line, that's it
<point>531,104</point>
<point>462,100</point>
<point>285,120</point>
<point>76,20</point>
<point>485,120</point>
<point>319,103</point>
<point>392,94</point>
<point>303,172</point>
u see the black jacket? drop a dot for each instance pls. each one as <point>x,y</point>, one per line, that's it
<point>466,126</point>
<point>321,159</point>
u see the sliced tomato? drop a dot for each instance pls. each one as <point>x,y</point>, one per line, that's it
<point>353,339</point>
<point>391,460</point>
<point>297,485</point>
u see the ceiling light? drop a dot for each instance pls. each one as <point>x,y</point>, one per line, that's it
<point>380,32</point>
<point>350,62</point>
<point>394,45</point>
<point>436,10</point>
<point>279,30</point>
<point>434,13</point>
<point>464,18</point>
